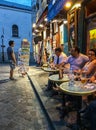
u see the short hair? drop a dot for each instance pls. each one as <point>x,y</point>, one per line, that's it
<point>94,50</point>
<point>58,49</point>
<point>11,42</point>
<point>77,49</point>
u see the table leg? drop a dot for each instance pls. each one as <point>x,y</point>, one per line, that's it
<point>79,106</point>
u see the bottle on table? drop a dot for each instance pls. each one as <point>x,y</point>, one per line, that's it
<point>60,73</point>
<point>71,77</point>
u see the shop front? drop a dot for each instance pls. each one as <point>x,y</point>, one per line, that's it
<point>57,16</point>
<point>90,20</point>
<point>82,25</point>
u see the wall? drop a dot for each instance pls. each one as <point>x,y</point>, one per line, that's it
<point>22,19</point>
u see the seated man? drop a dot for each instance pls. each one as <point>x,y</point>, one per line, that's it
<point>76,59</point>
<point>59,58</point>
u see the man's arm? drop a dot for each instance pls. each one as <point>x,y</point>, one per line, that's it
<point>13,57</point>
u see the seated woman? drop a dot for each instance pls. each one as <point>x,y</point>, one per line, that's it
<point>90,67</point>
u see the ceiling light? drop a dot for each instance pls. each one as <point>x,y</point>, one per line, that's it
<point>36,30</point>
<point>33,33</point>
<point>34,25</point>
<point>46,19</point>
<point>65,21</point>
<point>68,5</point>
<point>41,25</point>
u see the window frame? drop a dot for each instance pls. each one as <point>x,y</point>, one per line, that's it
<point>15,31</point>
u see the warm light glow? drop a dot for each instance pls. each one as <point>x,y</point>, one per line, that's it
<point>78,5</point>
<point>46,19</point>
<point>65,21</point>
<point>55,20</point>
<point>36,30</point>
<point>68,5</point>
<point>33,33</point>
<point>40,34</point>
<point>41,25</point>
<point>34,25</point>
<point>24,40</point>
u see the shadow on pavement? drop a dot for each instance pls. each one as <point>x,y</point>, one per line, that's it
<point>4,81</point>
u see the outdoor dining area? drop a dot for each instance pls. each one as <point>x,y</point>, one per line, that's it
<point>77,86</point>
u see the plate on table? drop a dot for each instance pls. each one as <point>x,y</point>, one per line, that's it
<point>90,86</point>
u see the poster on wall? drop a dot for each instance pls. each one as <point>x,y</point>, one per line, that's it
<point>61,34</point>
<point>23,57</point>
<point>72,28</point>
<point>92,34</point>
<point>25,51</point>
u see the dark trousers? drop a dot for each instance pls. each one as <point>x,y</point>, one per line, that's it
<point>51,83</point>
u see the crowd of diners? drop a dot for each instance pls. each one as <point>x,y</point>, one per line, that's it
<point>80,64</point>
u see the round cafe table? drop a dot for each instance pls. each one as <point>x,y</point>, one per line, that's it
<point>48,69</point>
<point>77,88</point>
<point>78,91</point>
<point>56,79</point>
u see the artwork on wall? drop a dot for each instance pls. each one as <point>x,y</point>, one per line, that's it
<point>91,33</point>
<point>72,28</point>
<point>92,38</point>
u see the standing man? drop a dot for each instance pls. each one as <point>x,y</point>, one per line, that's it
<point>11,58</point>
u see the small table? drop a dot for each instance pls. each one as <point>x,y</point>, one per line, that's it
<point>79,91</point>
<point>48,69</point>
<point>56,79</point>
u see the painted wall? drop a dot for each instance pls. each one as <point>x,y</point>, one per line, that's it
<point>23,19</point>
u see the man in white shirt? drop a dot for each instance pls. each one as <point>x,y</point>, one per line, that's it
<point>59,58</point>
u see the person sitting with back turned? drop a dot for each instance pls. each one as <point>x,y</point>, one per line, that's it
<point>59,58</point>
<point>11,58</point>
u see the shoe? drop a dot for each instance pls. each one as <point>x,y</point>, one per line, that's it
<point>60,108</point>
<point>47,89</point>
<point>53,93</point>
<point>12,78</point>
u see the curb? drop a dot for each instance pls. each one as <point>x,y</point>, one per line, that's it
<point>37,91</point>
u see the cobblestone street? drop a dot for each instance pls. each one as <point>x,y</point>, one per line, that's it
<point>19,107</point>
<point>22,109</point>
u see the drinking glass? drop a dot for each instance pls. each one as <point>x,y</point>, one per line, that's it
<point>83,79</point>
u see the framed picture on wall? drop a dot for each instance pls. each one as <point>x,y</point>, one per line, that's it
<point>72,28</point>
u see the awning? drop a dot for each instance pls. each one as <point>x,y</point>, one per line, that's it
<point>54,9</point>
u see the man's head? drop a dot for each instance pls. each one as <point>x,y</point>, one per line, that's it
<point>58,51</point>
<point>11,43</point>
<point>75,51</point>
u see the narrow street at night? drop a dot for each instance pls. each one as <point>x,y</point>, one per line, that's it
<point>47,64</point>
<point>24,105</point>
<point>19,107</point>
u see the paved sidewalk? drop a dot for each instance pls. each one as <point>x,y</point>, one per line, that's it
<point>40,80</point>
<point>19,108</point>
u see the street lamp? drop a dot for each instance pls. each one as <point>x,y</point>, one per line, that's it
<point>2,38</point>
